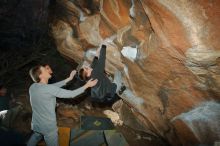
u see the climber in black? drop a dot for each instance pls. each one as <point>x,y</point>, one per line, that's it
<point>105,90</point>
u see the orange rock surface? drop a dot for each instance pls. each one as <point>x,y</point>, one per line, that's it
<point>175,69</point>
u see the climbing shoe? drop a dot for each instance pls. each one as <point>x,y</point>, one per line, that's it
<point>122,89</point>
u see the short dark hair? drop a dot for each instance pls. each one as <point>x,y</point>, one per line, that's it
<point>45,64</point>
<point>82,74</point>
<point>35,73</point>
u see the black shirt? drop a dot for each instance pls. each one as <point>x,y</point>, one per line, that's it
<point>104,86</point>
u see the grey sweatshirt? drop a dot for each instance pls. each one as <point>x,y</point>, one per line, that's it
<point>43,103</point>
<point>104,87</point>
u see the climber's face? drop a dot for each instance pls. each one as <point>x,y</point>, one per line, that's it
<point>44,73</point>
<point>88,71</point>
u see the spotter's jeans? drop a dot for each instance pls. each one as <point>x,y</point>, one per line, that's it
<point>51,138</point>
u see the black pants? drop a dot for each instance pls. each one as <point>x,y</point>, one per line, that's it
<point>107,100</point>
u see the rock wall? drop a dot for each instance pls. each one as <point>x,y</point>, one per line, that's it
<point>168,52</point>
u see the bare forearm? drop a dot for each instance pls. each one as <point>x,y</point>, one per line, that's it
<point>67,80</point>
<point>86,86</point>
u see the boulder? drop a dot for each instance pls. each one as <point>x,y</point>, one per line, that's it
<point>167,51</point>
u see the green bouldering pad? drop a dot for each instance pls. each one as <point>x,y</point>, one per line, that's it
<point>114,138</point>
<point>87,138</point>
<point>95,123</point>
<point>80,137</point>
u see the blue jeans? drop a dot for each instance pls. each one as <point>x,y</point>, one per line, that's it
<point>51,138</point>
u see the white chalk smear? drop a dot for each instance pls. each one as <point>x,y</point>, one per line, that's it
<point>129,52</point>
<point>131,10</point>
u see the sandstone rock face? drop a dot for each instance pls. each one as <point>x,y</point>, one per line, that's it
<point>168,52</point>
